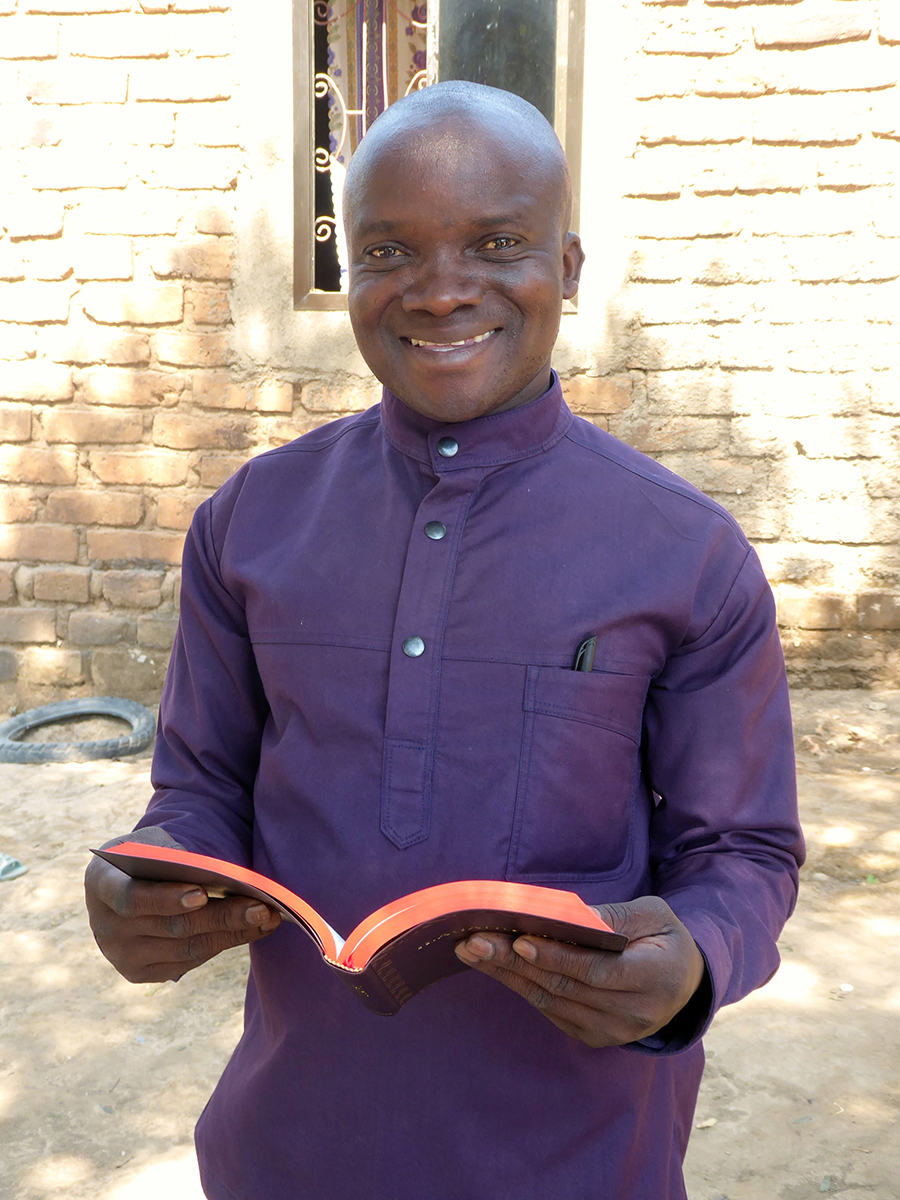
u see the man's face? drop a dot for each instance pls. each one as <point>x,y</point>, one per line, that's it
<point>459,264</point>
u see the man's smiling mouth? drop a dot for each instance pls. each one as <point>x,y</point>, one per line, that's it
<point>471,341</point>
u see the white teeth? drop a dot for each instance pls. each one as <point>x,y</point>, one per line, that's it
<point>446,345</point>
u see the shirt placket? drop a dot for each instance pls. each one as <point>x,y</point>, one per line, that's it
<point>414,679</point>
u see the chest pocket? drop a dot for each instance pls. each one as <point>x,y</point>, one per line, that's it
<point>578,775</point>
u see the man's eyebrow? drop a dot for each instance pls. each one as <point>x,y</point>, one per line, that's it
<point>373,228</point>
<point>386,227</point>
<point>491,222</point>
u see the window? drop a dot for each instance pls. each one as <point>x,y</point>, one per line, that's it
<point>352,59</point>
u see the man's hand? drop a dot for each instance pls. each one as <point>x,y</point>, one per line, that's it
<point>156,931</point>
<point>599,997</point>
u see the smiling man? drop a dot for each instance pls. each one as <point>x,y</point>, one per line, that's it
<point>373,691</point>
<point>457,279</point>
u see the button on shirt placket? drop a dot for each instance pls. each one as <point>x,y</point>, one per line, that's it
<point>421,619</point>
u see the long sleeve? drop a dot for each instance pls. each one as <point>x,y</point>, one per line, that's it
<point>212,713</point>
<point>725,837</point>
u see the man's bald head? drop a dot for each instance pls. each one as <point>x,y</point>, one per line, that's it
<point>447,119</point>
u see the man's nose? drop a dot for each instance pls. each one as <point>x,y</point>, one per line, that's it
<point>441,285</point>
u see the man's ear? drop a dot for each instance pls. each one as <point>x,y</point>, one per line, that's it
<point>573,260</point>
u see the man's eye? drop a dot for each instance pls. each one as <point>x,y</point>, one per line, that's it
<point>383,252</point>
<point>500,243</point>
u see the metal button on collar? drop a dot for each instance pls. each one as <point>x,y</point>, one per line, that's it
<point>413,647</point>
<point>447,447</point>
<point>435,530</point>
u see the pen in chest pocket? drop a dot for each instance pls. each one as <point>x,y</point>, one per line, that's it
<point>584,655</point>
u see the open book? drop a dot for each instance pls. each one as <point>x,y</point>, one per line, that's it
<point>403,947</point>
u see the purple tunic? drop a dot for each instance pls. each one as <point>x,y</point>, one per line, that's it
<point>304,733</point>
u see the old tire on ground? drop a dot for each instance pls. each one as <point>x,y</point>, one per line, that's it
<point>141,720</point>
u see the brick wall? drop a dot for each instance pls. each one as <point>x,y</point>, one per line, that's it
<point>754,325</point>
<point>117,411</point>
<point>758,316</point>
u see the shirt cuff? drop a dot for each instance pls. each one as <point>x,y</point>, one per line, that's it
<point>687,1027</point>
<point>149,835</point>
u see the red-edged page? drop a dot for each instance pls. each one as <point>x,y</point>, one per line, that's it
<point>167,864</point>
<point>519,900</point>
<point>404,946</point>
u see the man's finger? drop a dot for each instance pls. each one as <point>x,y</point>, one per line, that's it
<point>203,946</point>
<point>494,955</point>
<point>573,964</point>
<point>231,915</point>
<point>646,916</point>
<point>138,898</point>
<point>557,967</point>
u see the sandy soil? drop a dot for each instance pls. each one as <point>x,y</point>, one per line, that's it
<point>101,1081</point>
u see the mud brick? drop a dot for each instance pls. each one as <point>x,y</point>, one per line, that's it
<point>36,38</point>
<point>136,210</point>
<point>215,469</point>
<point>182,432</point>
<point>323,397</point>
<point>214,218</point>
<point>15,423</point>
<point>819,25</point>
<point>33,215</point>
<point>207,259</point>
<point>77,82</point>
<point>182,80</point>
<point>192,349</point>
<point>209,35</point>
<point>132,467</point>
<point>133,305</point>
<point>112,385</point>
<point>652,434</point>
<point>157,632</point>
<point>74,425</point>
<point>801,609</point>
<point>38,543</point>
<point>208,125</point>
<point>879,610</point>
<point>80,507</point>
<point>209,306</point>
<point>176,511</point>
<point>84,344</point>
<point>117,37</point>
<point>686,34</point>
<point>97,629</point>
<point>27,625</point>
<point>97,256</point>
<point>134,674</point>
<point>18,504</point>
<point>598,394</point>
<point>29,464</point>
<point>133,589</point>
<point>35,303</point>
<point>119,125</point>
<point>62,583</point>
<point>51,666</point>
<point>272,396</point>
<point>134,546</point>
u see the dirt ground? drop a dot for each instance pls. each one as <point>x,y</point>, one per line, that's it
<point>101,1080</point>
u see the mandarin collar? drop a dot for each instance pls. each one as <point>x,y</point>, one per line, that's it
<point>488,441</point>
